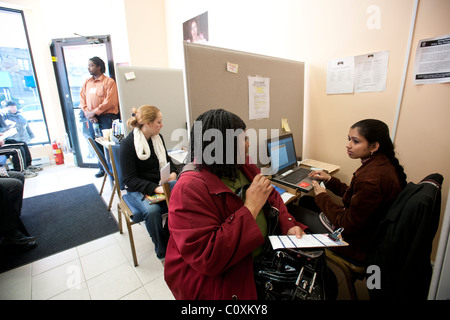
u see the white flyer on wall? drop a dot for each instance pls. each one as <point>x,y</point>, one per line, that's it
<point>258,97</point>
<point>371,71</point>
<point>340,75</point>
<point>432,63</point>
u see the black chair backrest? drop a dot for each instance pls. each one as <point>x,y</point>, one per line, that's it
<point>403,243</point>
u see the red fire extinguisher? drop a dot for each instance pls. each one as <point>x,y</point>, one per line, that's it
<point>59,156</point>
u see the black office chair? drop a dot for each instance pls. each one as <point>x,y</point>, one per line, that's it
<point>104,163</point>
<point>403,243</point>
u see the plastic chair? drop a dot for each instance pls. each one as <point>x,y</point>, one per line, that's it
<point>106,168</point>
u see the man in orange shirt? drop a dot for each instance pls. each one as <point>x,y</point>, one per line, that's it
<point>99,100</point>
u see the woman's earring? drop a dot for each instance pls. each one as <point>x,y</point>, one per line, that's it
<point>371,153</point>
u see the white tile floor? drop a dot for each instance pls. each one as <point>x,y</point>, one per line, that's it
<point>101,269</point>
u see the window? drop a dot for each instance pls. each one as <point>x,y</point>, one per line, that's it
<point>18,81</point>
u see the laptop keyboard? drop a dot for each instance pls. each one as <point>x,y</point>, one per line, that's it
<point>297,175</point>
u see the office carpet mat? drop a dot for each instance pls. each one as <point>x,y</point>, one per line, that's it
<point>60,221</point>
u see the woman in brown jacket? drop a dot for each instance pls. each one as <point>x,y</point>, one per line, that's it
<point>374,187</point>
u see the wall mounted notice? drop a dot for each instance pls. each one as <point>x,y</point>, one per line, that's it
<point>362,73</point>
<point>340,75</point>
<point>258,97</point>
<point>432,63</point>
<point>371,72</point>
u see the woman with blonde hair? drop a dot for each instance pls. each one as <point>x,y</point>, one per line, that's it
<point>142,155</point>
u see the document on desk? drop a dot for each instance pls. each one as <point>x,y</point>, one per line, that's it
<point>307,241</point>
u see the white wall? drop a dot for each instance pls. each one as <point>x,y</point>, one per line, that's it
<point>261,26</point>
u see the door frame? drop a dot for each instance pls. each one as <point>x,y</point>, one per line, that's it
<point>65,97</point>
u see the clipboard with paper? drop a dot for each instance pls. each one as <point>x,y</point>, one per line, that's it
<point>306,241</point>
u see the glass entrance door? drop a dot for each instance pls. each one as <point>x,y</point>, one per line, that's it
<point>70,60</point>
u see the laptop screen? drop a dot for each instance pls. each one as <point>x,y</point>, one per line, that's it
<point>282,153</point>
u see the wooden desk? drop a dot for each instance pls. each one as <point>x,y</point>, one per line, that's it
<point>104,142</point>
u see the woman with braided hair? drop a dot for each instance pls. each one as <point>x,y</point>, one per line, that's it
<point>215,234</point>
<point>374,187</point>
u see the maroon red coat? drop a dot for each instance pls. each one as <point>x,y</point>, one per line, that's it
<point>212,236</point>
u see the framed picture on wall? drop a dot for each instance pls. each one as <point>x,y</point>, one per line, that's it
<point>196,29</point>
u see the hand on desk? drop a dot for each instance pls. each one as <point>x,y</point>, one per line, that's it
<point>317,176</point>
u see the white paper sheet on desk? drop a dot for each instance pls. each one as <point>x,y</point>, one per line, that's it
<point>307,241</point>
<point>165,173</point>
<point>286,196</point>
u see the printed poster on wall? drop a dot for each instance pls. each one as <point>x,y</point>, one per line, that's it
<point>340,75</point>
<point>196,29</point>
<point>371,71</point>
<point>432,63</point>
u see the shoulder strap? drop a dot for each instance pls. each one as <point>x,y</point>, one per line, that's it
<point>188,167</point>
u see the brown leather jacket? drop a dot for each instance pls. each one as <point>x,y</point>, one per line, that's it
<point>373,189</point>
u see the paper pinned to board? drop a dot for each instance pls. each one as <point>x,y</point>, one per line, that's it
<point>259,97</point>
<point>232,67</point>
<point>130,75</point>
<point>285,125</point>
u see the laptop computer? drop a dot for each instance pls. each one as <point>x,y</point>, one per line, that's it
<point>284,167</point>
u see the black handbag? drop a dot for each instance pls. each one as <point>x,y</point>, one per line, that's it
<point>294,275</point>
<point>290,274</point>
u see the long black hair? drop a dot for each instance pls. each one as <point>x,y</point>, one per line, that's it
<point>206,150</point>
<point>377,131</point>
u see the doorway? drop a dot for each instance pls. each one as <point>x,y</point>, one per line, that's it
<point>70,60</point>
